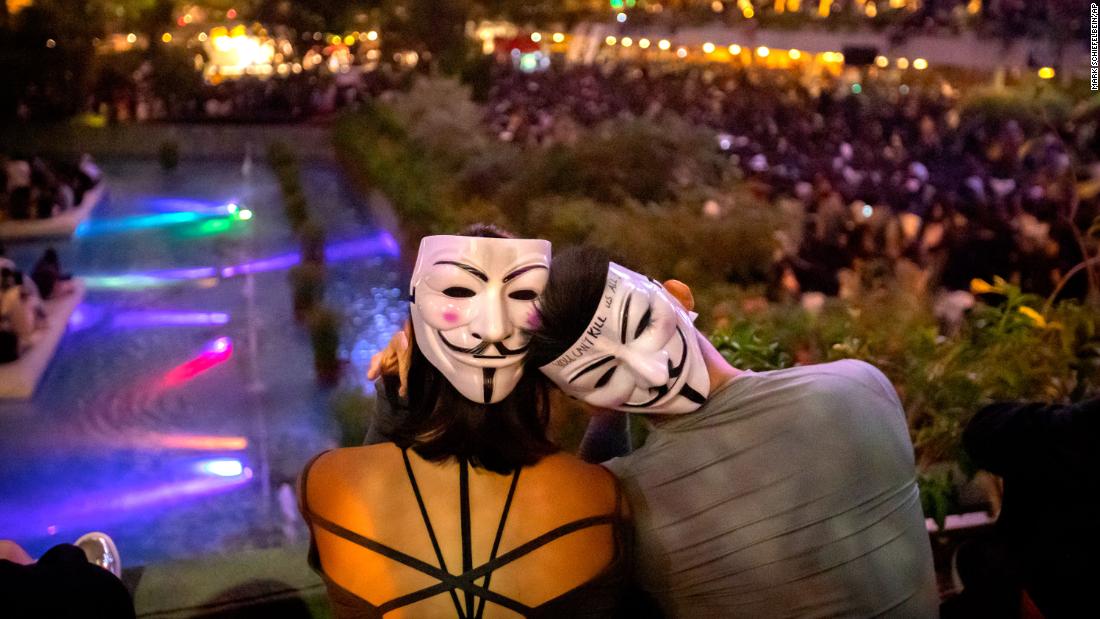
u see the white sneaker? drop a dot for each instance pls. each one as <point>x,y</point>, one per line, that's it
<point>101,550</point>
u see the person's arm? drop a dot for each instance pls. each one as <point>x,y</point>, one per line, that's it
<point>1009,438</point>
<point>607,437</point>
<point>389,369</point>
<point>387,409</point>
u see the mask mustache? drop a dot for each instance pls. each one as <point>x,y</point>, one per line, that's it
<point>482,346</point>
<point>674,372</point>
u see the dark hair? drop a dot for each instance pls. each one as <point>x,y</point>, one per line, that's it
<point>573,291</point>
<point>441,423</point>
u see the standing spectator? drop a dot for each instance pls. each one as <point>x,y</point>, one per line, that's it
<point>1046,455</point>
<point>47,275</point>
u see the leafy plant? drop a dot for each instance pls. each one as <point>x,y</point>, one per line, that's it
<point>324,336</point>
<point>353,410</point>
<point>307,282</point>
<point>169,155</point>
<point>312,241</point>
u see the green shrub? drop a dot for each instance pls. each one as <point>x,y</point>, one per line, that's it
<point>353,411</point>
<point>312,240</point>
<point>169,155</point>
<point>307,282</point>
<point>296,209</point>
<point>280,156</point>
<point>324,337</point>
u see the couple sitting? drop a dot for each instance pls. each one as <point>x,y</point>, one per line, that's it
<point>787,493</point>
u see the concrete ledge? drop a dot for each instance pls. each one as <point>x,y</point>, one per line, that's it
<point>275,582</point>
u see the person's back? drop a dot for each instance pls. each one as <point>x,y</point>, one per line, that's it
<point>789,493</point>
<point>370,492</point>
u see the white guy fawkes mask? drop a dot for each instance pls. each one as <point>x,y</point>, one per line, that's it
<point>471,298</point>
<point>640,353</point>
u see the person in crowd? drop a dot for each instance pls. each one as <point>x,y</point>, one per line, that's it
<point>17,310</point>
<point>82,579</point>
<point>48,276</point>
<point>537,532</point>
<point>784,493</point>
<point>1046,530</point>
<point>5,262</point>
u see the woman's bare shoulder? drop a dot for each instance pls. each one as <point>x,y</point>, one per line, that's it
<point>564,475</point>
<point>352,473</point>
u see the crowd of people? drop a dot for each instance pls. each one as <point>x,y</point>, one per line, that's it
<point>22,313</point>
<point>882,166</point>
<point>36,188</point>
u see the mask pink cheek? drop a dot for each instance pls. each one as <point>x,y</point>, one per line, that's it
<point>533,320</point>
<point>450,317</point>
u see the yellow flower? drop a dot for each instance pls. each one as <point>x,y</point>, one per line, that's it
<point>1035,316</point>
<point>980,286</point>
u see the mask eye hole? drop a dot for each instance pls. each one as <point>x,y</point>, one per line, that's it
<point>458,292</point>
<point>606,378</point>
<point>523,295</point>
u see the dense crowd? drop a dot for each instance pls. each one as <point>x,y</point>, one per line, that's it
<point>882,168</point>
<point>34,188</point>
<point>23,317</point>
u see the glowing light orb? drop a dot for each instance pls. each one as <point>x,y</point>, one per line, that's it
<point>228,467</point>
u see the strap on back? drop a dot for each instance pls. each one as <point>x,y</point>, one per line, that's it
<point>431,531</point>
<point>467,580</point>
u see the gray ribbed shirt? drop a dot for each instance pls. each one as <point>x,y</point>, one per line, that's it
<point>788,494</point>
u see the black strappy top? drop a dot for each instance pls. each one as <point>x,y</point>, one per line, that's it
<point>599,597</point>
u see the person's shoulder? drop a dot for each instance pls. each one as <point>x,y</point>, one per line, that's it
<point>340,474</point>
<point>837,381</point>
<point>565,475</point>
